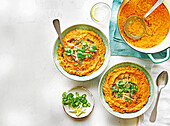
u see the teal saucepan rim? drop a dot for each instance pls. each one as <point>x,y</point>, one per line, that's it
<point>94,74</point>
<point>127,115</point>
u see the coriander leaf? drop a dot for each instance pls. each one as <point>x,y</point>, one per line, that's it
<point>77,42</point>
<point>133,91</point>
<point>84,43</point>
<point>136,87</point>
<point>118,95</point>
<point>122,82</point>
<point>132,86</point>
<point>114,89</point>
<point>84,95</point>
<point>81,55</point>
<point>75,49</point>
<point>121,90</point>
<point>92,48</point>
<point>84,105</point>
<point>82,49</point>
<point>89,55</point>
<point>126,90</point>
<point>74,64</point>
<point>64,94</point>
<point>77,94</point>
<point>68,51</point>
<point>88,104</point>
<point>70,95</point>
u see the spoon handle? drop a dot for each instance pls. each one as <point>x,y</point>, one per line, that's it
<point>154,111</point>
<point>56,24</point>
<point>153,8</point>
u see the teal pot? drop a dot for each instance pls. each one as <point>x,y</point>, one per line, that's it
<point>165,45</point>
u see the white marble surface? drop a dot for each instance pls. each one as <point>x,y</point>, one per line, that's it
<point>30,84</point>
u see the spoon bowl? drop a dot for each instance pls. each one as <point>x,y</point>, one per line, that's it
<point>133,19</point>
<point>129,24</point>
<point>162,79</point>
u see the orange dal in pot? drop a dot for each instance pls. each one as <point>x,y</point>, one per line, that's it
<point>158,22</point>
<point>129,74</point>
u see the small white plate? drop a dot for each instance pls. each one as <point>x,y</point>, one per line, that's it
<point>81,90</point>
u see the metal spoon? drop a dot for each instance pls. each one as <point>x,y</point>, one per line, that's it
<point>161,82</point>
<point>56,24</point>
<point>130,20</point>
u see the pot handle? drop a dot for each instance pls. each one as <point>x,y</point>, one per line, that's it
<point>160,60</point>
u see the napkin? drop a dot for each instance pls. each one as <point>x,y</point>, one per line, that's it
<point>163,108</point>
<point>117,44</point>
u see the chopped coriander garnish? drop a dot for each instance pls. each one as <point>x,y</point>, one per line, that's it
<point>64,94</point>
<point>77,42</point>
<point>72,58</point>
<point>81,55</point>
<point>74,64</point>
<point>118,95</point>
<point>68,51</point>
<point>84,43</point>
<point>126,99</point>
<point>88,104</point>
<point>92,48</point>
<point>77,94</point>
<point>89,55</point>
<point>84,95</point>
<point>82,49</point>
<point>122,88</point>
<point>75,101</point>
<point>84,105</point>
<point>114,89</point>
<point>75,49</point>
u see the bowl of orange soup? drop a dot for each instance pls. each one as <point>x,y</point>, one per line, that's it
<point>86,53</point>
<point>126,90</point>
